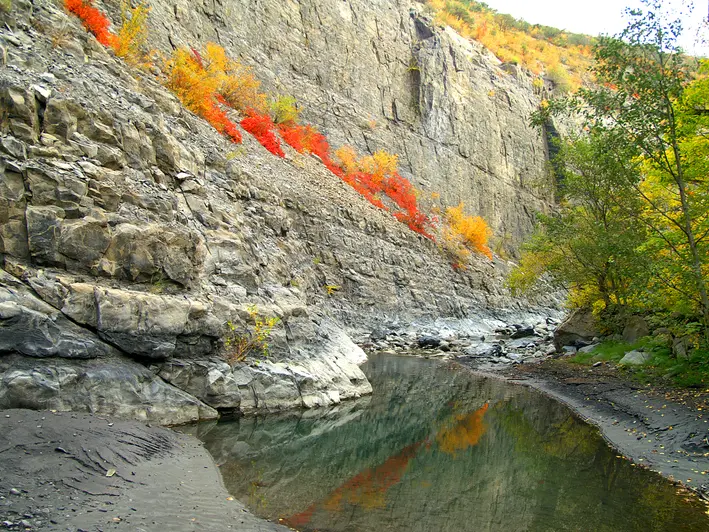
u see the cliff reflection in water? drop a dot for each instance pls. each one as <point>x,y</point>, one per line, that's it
<point>439,449</point>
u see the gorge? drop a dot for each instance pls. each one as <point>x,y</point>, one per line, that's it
<point>153,272</point>
<point>133,233</point>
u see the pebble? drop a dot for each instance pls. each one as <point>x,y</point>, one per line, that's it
<point>14,491</point>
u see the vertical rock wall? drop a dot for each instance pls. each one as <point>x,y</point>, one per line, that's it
<point>378,74</point>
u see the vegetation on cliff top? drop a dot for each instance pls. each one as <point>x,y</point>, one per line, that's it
<point>632,233</point>
<point>562,56</point>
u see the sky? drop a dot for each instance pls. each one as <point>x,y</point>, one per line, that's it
<point>604,16</point>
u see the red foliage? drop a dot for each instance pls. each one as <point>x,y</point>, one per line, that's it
<point>294,135</point>
<point>361,183</point>
<point>401,192</point>
<point>317,144</point>
<point>197,57</point>
<point>307,139</point>
<point>93,20</point>
<point>218,119</point>
<point>366,489</point>
<point>262,128</point>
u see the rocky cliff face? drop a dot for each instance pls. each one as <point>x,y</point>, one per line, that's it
<point>378,74</point>
<point>131,233</point>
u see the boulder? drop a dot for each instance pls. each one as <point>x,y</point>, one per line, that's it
<point>322,371</point>
<point>635,328</point>
<point>116,387</point>
<point>588,348</point>
<point>635,358</point>
<point>429,341</point>
<point>484,350</point>
<point>521,343</point>
<point>523,331</point>
<point>681,347</point>
<point>580,325</point>
<point>210,381</point>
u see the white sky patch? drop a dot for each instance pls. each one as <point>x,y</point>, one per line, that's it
<point>607,17</point>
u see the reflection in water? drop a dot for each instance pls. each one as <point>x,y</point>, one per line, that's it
<point>465,433</point>
<point>438,449</point>
<point>366,489</point>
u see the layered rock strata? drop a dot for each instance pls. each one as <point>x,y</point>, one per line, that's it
<point>134,238</point>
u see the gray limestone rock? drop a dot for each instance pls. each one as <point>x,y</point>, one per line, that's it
<point>141,227</point>
<point>485,350</point>
<point>588,348</point>
<point>681,347</point>
<point>33,328</point>
<point>635,328</point>
<point>635,358</point>
<point>115,387</point>
<point>212,381</point>
<point>579,326</point>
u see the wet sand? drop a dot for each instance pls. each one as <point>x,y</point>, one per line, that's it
<point>53,476</point>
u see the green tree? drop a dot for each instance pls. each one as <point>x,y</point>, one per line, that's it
<point>590,246</point>
<point>651,111</point>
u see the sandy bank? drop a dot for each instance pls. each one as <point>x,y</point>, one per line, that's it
<point>53,470</point>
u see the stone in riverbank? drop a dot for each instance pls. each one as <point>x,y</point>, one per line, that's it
<point>580,326</point>
<point>301,382</point>
<point>635,358</point>
<point>115,387</point>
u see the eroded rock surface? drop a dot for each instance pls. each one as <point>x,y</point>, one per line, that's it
<point>134,239</point>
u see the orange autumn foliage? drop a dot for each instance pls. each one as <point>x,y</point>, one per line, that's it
<point>377,174</point>
<point>198,89</point>
<point>133,35</point>
<point>563,56</point>
<point>466,432</point>
<point>463,233</point>
<point>236,83</point>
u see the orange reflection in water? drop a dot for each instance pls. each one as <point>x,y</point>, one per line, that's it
<point>466,432</point>
<point>367,489</point>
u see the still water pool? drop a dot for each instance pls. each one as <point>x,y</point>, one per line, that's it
<point>438,449</point>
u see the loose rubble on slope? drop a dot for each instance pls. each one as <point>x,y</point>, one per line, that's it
<point>487,346</point>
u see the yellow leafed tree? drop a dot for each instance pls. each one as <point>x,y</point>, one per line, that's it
<point>463,233</point>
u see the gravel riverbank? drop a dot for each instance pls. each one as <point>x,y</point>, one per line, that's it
<point>664,430</point>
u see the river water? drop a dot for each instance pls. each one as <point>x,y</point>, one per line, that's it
<point>439,449</point>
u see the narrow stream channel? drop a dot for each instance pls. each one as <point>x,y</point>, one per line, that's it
<point>437,449</point>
